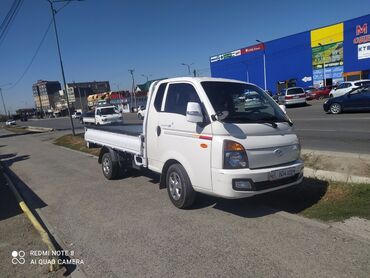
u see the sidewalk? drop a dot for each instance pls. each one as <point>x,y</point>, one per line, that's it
<point>337,166</point>
<point>18,234</point>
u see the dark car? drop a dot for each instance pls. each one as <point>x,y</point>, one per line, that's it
<point>357,99</point>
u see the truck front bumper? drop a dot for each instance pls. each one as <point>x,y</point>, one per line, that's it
<point>224,180</point>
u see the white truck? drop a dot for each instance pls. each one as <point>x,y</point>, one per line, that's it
<point>200,137</point>
<point>103,115</point>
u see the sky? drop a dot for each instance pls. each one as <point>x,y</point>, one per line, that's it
<point>103,39</point>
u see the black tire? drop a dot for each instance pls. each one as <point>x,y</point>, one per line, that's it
<point>335,108</point>
<point>109,167</point>
<point>182,196</point>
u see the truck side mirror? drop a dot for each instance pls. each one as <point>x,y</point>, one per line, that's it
<point>194,112</point>
<point>282,107</point>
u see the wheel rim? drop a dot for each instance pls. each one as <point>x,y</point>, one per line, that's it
<point>175,186</point>
<point>335,108</point>
<point>106,166</point>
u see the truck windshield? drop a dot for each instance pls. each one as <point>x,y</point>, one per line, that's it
<point>108,111</point>
<point>242,103</point>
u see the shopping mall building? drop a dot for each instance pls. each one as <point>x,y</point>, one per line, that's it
<point>323,56</point>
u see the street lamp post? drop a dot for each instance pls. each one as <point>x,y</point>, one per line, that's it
<point>53,12</point>
<point>264,63</point>
<point>146,76</point>
<point>133,86</point>
<point>323,61</point>
<point>188,65</point>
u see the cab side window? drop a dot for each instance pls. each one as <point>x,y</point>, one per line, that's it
<point>178,96</point>
<point>159,97</point>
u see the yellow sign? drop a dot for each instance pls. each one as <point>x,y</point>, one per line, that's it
<point>327,35</point>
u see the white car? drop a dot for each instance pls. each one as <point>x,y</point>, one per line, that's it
<point>347,86</point>
<point>10,122</point>
<point>76,115</point>
<point>141,113</point>
<point>292,96</point>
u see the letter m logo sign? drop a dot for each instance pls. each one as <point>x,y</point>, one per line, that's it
<point>361,29</point>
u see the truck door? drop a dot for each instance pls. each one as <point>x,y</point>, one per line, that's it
<point>188,143</point>
<point>152,113</point>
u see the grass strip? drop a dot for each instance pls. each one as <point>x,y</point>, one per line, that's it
<point>76,143</point>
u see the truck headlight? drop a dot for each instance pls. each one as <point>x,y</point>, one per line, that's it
<point>235,156</point>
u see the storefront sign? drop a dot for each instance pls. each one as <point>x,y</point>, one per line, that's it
<point>361,34</point>
<point>238,52</point>
<point>363,51</point>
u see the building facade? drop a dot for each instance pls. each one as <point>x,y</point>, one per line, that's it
<point>318,57</point>
<point>43,94</point>
<point>78,92</point>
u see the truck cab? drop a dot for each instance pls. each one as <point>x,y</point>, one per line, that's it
<point>220,137</point>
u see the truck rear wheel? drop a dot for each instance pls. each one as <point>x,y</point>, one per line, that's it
<point>179,187</point>
<point>110,168</point>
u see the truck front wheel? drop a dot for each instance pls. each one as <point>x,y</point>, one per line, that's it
<point>179,187</point>
<point>109,167</point>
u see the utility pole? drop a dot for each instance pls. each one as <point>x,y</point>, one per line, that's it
<point>131,71</point>
<point>53,12</point>
<point>2,97</point>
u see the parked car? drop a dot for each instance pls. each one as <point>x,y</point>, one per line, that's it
<point>358,99</point>
<point>322,92</point>
<point>10,122</point>
<point>141,112</point>
<point>310,93</point>
<point>347,86</point>
<point>103,115</point>
<point>198,139</point>
<point>292,96</point>
<point>76,115</point>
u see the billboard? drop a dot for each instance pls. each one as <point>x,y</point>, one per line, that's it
<point>327,55</point>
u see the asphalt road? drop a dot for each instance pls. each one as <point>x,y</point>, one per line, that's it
<point>129,228</point>
<point>349,132</point>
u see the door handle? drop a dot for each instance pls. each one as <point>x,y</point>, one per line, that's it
<point>158,130</point>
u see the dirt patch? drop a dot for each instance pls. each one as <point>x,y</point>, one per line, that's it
<point>345,165</point>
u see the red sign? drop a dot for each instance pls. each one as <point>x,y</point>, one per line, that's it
<point>253,48</point>
<point>361,30</point>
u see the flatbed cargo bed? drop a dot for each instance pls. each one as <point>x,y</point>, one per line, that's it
<point>125,137</point>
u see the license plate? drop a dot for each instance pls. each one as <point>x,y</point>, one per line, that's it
<point>280,174</point>
<point>296,97</point>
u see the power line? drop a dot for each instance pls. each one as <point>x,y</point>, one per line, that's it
<point>33,57</point>
<point>10,20</point>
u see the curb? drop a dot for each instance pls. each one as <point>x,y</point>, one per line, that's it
<point>37,225</point>
<point>39,129</point>
<point>337,154</point>
<point>334,176</point>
